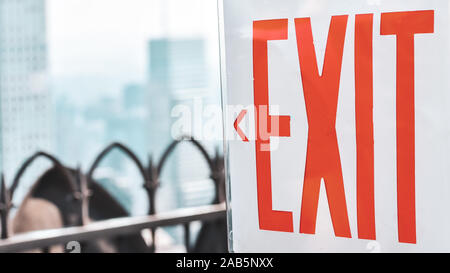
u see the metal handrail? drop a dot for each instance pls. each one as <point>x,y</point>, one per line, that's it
<point>110,228</point>
<point>150,174</point>
<point>212,164</point>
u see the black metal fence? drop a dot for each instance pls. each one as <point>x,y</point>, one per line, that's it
<point>88,217</point>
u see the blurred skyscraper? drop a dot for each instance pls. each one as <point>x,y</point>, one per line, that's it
<point>174,64</point>
<point>25,100</point>
<point>179,75</point>
<point>82,134</point>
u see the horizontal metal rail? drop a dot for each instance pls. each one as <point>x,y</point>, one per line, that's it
<point>109,228</point>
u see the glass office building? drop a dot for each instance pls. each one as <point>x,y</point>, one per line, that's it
<point>179,76</point>
<point>25,99</point>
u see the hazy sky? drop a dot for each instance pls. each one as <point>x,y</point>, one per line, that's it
<point>97,46</point>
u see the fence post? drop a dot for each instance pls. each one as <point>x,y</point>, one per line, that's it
<point>5,207</point>
<point>151,184</point>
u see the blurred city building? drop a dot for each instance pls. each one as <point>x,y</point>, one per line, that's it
<point>25,99</point>
<point>74,115</point>
<point>179,76</point>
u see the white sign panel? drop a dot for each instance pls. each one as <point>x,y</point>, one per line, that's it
<point>338,125</point>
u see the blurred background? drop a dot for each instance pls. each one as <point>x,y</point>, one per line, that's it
<point>77,75</point>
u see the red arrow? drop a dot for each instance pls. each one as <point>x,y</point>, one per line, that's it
<point>236,125</point>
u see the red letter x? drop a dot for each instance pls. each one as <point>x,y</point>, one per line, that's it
<point>321,97</point>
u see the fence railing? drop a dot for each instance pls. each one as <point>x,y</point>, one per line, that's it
<point>80,192</point>
<point>110,228</point>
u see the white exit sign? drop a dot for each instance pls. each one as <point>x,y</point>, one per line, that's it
<point>357,153</point>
